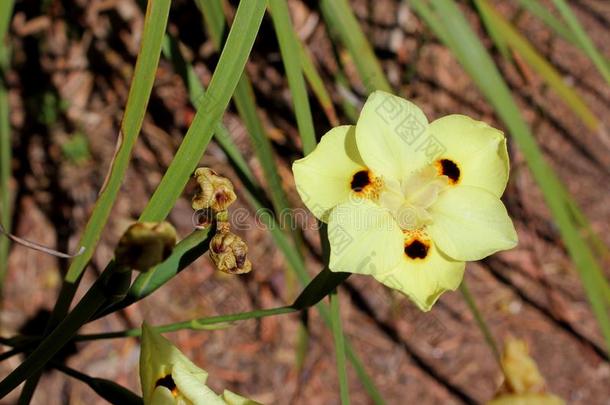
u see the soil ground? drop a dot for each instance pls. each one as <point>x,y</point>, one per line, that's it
<point>72,68</point>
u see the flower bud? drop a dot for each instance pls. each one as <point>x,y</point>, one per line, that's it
<point>216,192</point>
<point>524,384</point>
<point>228,252</point>
<point>145,244</point>
<point>168,377</point>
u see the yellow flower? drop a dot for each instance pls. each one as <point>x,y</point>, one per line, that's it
<point>170,378</point>
<point>406,201</point>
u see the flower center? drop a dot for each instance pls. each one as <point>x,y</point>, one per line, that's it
<point>168,382</point>
<point>448,168</point>
<point>416,249</point>
<point>410,198</point>
<point>365,184</point>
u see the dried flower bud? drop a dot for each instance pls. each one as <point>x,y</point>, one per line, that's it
<point>203,219</point>
<point>228,252</point>
<point>524,384</point>
<point>145,244</point>
<point>216,191</point>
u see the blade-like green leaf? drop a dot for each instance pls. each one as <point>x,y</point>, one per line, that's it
<point>139,94</point>
<point>323,284</point>
<point>547,71</point>
<point>214,17</point>
<point>109,390</point>
<point>478,63</point>
<point>339,17</point>
<point>317,85</point>
<point>184,253</point>
<point>291,56</point>
<point>539,10</point>
<point>583,39</point>
<point>214,102</point>
<point>157,13</point>
<point>196,91</point>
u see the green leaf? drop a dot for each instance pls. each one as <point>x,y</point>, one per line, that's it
<point>108,390</point>
<point>547,71</point>
<point>473,56</point>
<point>540,11</point>
<point>290,48</point>
<point>322,285</point>
<point>184,253</point>
<point>214,17</point>
<point>339,17</point>
<point>317,85</point>
<point>213,104</point>
<point>137,101</point>
<point>583,39</point>
<point>139,93</point>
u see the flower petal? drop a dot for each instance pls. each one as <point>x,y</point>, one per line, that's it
<point>470,223</point>
<point>364,238</point>
<point>162,396</point>
<point>323,177</point>
<point>158,357</point>
<point>477,149</point>
<point>193,389</point>
<point>424,280</point>
<point>392,136</point>
<point>232,398</point>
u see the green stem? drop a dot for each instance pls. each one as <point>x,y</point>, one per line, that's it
<point>489,338</point>
<point>339,347</point>
<point>6,8</point>
<point>194,324</point>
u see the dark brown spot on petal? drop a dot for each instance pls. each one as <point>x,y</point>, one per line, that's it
<point>167,382</point>
<point>240,260</point>
<point>450,169</point>
<point>360,180</point>
<point>416,249</point>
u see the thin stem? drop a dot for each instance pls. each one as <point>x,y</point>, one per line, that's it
<point>194,324</point>
<point>489,338</point>
<point>6,11</point>
<point>339,339</point>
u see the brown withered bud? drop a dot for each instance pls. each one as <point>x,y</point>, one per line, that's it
<point>203,218</point>
<point>229,253</point>
<point>145,244</point>
<point>216,192</point>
